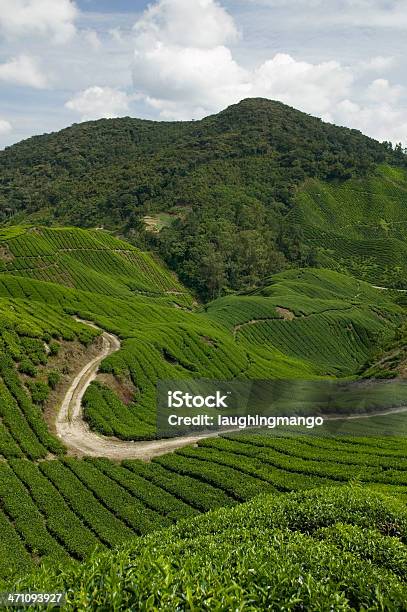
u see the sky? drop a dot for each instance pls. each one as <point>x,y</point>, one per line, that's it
<point>66,61</point>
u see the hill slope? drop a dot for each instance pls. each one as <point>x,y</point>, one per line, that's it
<point>230,174</point>
<point>332,549</point>
<point>358,226</point>
<point>93,261</point>
<point>55,507</point>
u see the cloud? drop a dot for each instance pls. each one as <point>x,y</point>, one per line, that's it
<point>5,127</point>
<point>99,102</point>
<point>92,39</point>
<point>184,69</point>
<point>313,87</point>
<point>381,121</point>
<point>23,70</point>
<point>382,91</point>
<point>185,23</point>
<point>192,77</point>
<point>44,18</point>
<point>354,13</point>
<point>181,65</point>
<point>186,59</point>
<point>378,64</point>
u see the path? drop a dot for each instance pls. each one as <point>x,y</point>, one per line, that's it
<point>75,433</point>
<point>389,289</point>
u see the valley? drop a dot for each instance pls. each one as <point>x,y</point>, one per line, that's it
<point>273,263</point>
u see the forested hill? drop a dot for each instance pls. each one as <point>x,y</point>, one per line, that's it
<point>219,189</point>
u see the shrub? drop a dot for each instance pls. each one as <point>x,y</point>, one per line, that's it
<point>54,348</point>
<point>39,392</point>
<point>27,367</point>
<point>54,378</point>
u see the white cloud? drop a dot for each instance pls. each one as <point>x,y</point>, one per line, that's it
<point>181,65</point>
<point>183,69</point>
<point>50,18</point>
<point>190,80</point>
<point>186,23</point>
<point>92,39</point>
<point>381,121</point>
<point>382,91</point>
<point>23,70</point>
<point>354,13</point>
<point>5,127</point>
<point>206,78</point>
<point>99,102</point>
<point>116,34</point>
<point>311,87</point>
<point>378,64</point>
<point>189,58</point>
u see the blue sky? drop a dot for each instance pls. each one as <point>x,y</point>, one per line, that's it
<point>63,61</point>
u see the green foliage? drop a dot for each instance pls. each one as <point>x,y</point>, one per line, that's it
<point>357,226</point>
<point>227,181</point>
<point>27,367</point>
<point>54,378</point>
<point>240,336</point>
<point>61,522</point>
<point>340,549</point>
<point>92,261</point>
<point>78,505</point>
<point>244,194</point>
<point>54,348</point>
<point>233,482</point>
<point>329,321</point>
<point>39,391</point>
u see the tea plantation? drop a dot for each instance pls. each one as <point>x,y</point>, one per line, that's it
<point>358,226</point>
<point>334,548</point>
<point>57,508</point>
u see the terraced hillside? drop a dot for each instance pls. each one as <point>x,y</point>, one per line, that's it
<point>358,226</point>
<point>92,261</point>
<point>334,323</point>
<point>328,321</point>
<point>55,506</point>
<point>57,509</point>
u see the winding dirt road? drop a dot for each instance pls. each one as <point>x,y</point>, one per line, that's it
<point>76,435</point>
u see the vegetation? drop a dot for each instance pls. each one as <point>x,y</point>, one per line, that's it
<point>357,226</point>
<point>241,336</point>
<point>82,505</point>
<point>328,549</point>
<point>233,174</point>
<point>232,202</point>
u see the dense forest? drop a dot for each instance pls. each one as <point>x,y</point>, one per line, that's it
<point>226,184</point>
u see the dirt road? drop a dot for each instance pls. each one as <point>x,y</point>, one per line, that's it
<point>75,433</point>
<point>389,289</point>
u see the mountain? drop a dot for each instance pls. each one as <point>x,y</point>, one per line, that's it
<point>221,190</point>
<point>90,323</point>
